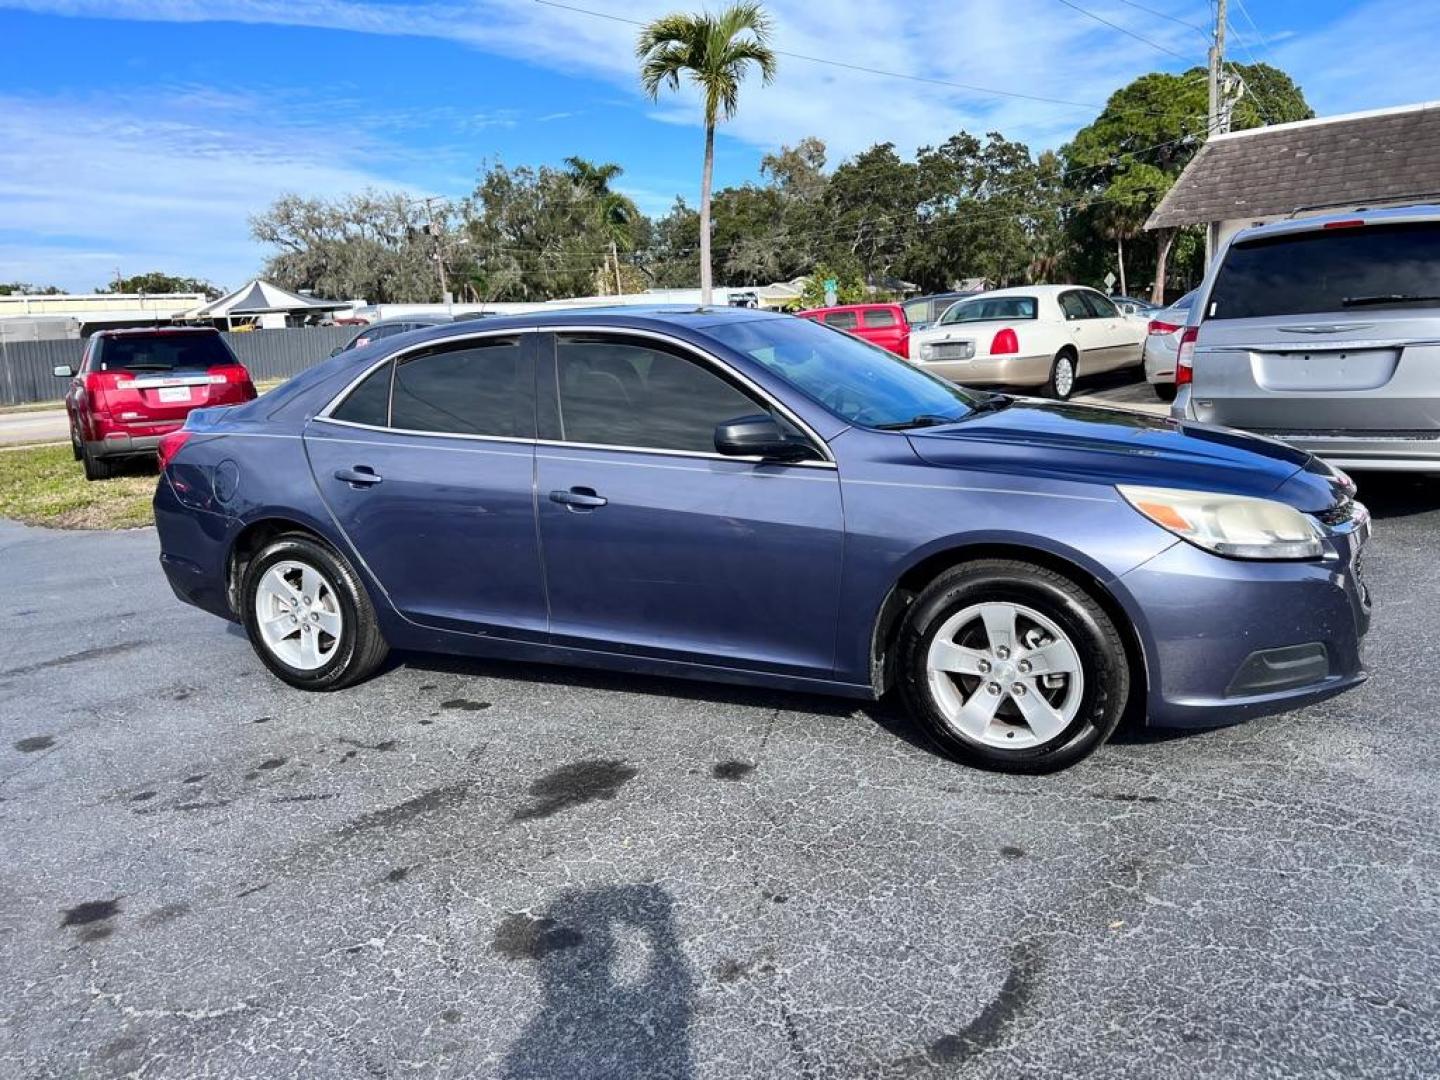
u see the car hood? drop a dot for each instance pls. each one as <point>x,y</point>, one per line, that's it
<point>1098,445</point>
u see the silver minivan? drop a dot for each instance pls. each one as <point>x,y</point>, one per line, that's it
<point>1324,332</point>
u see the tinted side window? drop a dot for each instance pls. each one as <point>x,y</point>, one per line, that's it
<point>368,403</point>
<point>1073,306</point>
<point>1099,306</point>
<point>880,317</point>
<point>480,389</point>
<point>1335,270</point>
<point>623,393</point>
<point>842,320</point>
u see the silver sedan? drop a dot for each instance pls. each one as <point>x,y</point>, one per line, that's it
<point>1163,342</point>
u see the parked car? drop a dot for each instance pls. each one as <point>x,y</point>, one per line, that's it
<point>1162,344</point>
<point>1323,332</point>
<point>1039,336</point>
<point>133,386</point>
<point>1133,308</point>
<point>880,324</point>
<point>383,328</point>
<point>749,497</point>
<point>923,311</point>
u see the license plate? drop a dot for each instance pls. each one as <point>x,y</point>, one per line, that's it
<point>954,350</point>
<point>174,393</point>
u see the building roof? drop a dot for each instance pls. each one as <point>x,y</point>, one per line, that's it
<point>1360,159</point>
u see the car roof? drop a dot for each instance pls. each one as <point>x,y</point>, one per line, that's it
<point>1393,215</point>
<point>427,318</point>
<point>1034,290</point>
<point>851,307</point>
<point>152,331</point>
<point>620,316</point>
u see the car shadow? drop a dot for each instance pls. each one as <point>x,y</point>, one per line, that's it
<point>888,713</point>
<point>1397,495</point>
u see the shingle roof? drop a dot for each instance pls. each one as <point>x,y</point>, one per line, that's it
<point>1333,162</point>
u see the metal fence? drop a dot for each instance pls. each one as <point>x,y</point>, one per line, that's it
<point>27,367</point>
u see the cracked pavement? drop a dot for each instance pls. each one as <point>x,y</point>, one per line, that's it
<point>465,868</point>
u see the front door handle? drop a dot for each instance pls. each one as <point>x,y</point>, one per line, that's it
<point>360,476</point>
<point>579,498</point>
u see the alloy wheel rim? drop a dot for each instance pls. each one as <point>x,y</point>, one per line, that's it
<point>1064,376</point>
<point>298,613</point>
<point>1005,676</point>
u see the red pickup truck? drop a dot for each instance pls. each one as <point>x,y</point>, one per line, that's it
<point>880,324</point>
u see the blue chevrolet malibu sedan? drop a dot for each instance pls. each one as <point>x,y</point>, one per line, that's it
<point>737,496</point>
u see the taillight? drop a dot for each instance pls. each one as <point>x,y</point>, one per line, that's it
<point>1005,342</point>
<point>1185,357</point>
<point>170,446</point>
<point>1161,328</point>
<point>1348,223</point>
<point>96,384</point>
<point>234,374</point>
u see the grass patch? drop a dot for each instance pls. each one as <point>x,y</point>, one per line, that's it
<point>46,486</point>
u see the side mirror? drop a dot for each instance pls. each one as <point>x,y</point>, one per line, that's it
<point>64,371</point>
<point>758,436</point>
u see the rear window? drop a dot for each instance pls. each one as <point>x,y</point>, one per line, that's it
<point>1331,270</point>
<point>842,320</point>
<point>880,317</point>
<point>988,309</point>
<point>164,352</point>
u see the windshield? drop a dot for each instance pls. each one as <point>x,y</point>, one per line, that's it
<point>991,309</point>
<point>864,384</point>
<point>164,352</point>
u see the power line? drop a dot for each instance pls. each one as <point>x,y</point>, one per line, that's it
<point>1127,31</point>
<point>967,87</point>
<point>1163,15</point>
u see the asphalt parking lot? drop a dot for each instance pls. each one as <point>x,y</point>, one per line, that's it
<point>474,869</point>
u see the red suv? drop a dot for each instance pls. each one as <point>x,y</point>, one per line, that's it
<point>134,386</point>
<point>880,324</point>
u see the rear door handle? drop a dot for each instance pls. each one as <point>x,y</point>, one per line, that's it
<point>579,498</point>
<point>360,476</point>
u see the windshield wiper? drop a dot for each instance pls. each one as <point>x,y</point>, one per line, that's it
<point>991,403</point>
<point>1388,298</point>
<point>920,420</point>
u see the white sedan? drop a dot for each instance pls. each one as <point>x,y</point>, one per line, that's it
<point>1040,336</point>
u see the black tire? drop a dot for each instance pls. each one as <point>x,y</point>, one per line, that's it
<point>1101,651</point>
<point>96,468</point>
<point>1057,386</point>
<point>76,447</point>
<point>1165,391</point>
<point>360,648</point>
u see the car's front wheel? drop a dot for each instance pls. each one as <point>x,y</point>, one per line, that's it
<point>308,615</point>
<point>1010,666</point>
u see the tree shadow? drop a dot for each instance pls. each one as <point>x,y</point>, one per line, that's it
<point>618,993</point>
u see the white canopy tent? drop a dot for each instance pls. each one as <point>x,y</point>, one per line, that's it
<point>257,299</point>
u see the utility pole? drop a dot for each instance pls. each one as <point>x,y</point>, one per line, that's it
<point>437,234</point>
<point>1219,118</point>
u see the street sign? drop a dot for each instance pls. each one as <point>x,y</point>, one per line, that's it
<point>1110,280</point>
<point>832,287</point>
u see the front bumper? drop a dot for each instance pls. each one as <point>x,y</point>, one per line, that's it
<point>1227,640</point>
<point>991,371</point>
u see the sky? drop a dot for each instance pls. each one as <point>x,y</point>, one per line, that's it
<point>141,135</point>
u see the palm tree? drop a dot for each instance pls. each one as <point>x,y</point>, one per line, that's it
<point>614,213</point>
<point>714,51</point>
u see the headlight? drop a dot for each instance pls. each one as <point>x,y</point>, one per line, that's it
<point>926,350</point>
<point>1233,525</point>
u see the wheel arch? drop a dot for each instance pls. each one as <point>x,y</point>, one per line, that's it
<point>929,564</point>
<point>252,538</point>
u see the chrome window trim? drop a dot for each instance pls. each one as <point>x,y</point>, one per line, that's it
<point>715,363</point>
<point>704,357</point>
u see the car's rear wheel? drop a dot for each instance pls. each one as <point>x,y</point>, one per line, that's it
<point>1062,376</point>
<point>1165,391</point>
<point>1010,666</point>
<point>96,468</point>
<point>308,615</point>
